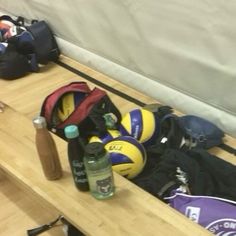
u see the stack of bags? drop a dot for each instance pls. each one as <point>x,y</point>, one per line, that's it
<point>24,47</point>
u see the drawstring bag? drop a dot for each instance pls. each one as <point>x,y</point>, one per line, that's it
<point>218,215</point>
<point>91,110</point>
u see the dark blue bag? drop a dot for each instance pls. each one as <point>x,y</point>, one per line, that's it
<point>185,132</point>
<point>200,132</point>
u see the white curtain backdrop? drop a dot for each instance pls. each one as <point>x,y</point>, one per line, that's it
<point>181,52</point>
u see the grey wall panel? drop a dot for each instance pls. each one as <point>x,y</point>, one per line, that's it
<point>185,45</point>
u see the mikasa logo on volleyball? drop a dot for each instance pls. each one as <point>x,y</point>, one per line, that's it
<point>136,131</point>
<point>127,155</point>
<point>115,148</point>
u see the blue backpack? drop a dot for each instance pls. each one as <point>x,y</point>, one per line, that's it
<point>187,132</point>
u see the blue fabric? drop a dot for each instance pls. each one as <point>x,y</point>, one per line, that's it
<point>3,47</point>
<point>204,133</point>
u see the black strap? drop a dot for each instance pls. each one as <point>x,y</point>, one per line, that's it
<point>71,229</point>
<point>41,229</point>
<point>227,148</point>
<point>20,20</point>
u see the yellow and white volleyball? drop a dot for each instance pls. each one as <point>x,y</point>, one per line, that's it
<point>128,156</point>
<point>140,124</point>
<point>110,135</point>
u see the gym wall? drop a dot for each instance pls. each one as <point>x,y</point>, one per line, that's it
<point>181,52</point>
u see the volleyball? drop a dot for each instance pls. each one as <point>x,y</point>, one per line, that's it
<point>108,136</point>
<point>128,156</point>
<point>68,103</point>
<point>140,124</point>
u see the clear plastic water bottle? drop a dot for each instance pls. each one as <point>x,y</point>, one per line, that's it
<point>99,171</point>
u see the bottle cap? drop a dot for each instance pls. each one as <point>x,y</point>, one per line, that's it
<point>95,149</point>
<point>110,120</point>
<point>71,131</point>
<point>39,122</point>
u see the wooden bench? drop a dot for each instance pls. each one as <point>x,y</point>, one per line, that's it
<point>132,211</point>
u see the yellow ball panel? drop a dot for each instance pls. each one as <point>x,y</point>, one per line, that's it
<point>114,133</point>
<point>95,139</point>
<point>68,106</point>
<point>127,149</point>
<point>111,134</point>
<point>126,170</point>
<point>148,125</point>
<point>140,124</point>
<point>122,151</point>
<point>126,122</point>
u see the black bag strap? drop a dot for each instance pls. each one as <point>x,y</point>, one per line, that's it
<point>43,228</point>
<point>71,229</point>
<point>171,135</point>
<point>20,20</point>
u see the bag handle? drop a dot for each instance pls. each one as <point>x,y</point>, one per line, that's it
<point>84,108</point>
<point>52,99</point>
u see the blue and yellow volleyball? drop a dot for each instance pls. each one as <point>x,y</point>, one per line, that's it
<point>108,136</point>
<point>140,124</point>
<point>128,156</point>
<point>68,103</point>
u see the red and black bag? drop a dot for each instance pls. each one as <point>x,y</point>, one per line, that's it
<point>88,110</point>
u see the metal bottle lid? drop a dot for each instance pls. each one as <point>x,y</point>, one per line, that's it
<point>39,122</point>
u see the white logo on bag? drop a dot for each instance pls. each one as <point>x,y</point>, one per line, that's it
<point>223,227</point>
<point>193,213</point>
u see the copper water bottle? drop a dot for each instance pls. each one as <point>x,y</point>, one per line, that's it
<point>47,150</point>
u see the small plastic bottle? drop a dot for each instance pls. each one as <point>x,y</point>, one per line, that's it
<point>75,151</point>
<point>47,150</point>
<point>99,171</point>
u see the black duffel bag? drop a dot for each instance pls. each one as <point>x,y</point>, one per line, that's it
<point>45,45</point>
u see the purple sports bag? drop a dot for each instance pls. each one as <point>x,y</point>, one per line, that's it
<point>218,215</point>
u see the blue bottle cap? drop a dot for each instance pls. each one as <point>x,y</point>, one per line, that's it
<point>71,131</point>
